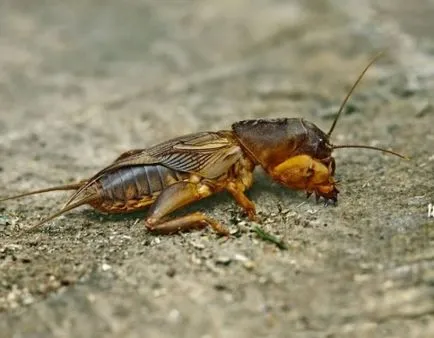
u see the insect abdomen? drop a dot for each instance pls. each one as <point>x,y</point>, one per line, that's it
<point>135,187</point>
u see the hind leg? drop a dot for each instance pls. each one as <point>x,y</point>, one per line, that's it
<point>174,197</point>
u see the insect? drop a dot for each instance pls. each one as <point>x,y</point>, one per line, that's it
<point>175,173</point>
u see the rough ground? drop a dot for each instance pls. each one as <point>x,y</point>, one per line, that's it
<point>82,81</point>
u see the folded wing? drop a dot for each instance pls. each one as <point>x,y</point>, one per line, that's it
<point>207,154</point>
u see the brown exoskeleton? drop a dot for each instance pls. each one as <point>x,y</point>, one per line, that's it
<point>186,169</point>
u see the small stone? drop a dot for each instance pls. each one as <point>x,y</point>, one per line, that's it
<point>249,265</point>
<point>160,292</point>
<point>223,260</point>
<point>14,247</point>
<point>234,231</point>
<point>220,286</point>
<point>174,316</point>
<point>196,260</point>
<point>68,280</point>
<point>91,297</point>
<point>155,241</point>
<point>240,258</point>
<point>197,245</point>
<point>25,259</point>
<point>262,280</point>
<point>213,268</point>
<point>171,272</point>
<point>27,298</point>
<point>228,297</point>
<point>4,221</point>
<point>105,267</point>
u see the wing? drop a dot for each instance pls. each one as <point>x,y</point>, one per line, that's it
<point>208,154</point>
<point>127,154</point>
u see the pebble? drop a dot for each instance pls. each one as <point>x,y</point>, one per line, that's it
<point>27,298</point>
<point>249,265</point>
<point>234,231</point>
<point>223,260</point>
<point>196,260</point>
<point>160,292</point>
<point>11,247</point>
<point>4,221</point>
<point>105,267</point>
<point>213,268</point>
<point>240,258</point>
<point>174,316</point>
<point>197,245</point>
<point>171,272</point>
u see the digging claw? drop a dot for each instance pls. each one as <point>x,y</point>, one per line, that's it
<point>331,198</point>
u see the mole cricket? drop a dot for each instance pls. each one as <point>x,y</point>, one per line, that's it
<point>178,172</point>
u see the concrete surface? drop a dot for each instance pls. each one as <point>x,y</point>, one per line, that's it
<point>82,81</point>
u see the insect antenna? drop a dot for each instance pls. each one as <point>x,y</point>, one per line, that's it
<point>347,97</point>
<point>73,186</point>
<point>341,108</point>
<point>369,147</point>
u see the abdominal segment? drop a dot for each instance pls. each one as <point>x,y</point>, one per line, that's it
<point>135,187</point>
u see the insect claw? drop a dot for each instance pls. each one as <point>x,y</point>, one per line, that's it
<point>308,194</point>
<point>317,197</point>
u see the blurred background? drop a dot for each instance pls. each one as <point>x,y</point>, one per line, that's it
<point>82,81</point>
